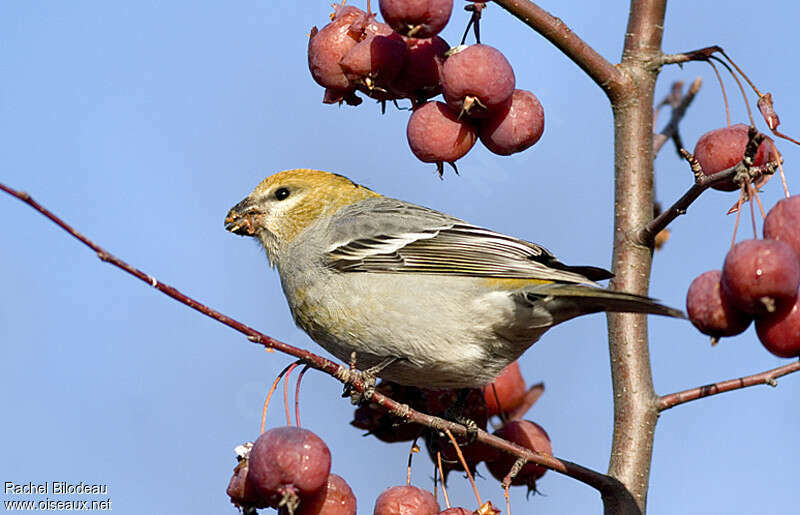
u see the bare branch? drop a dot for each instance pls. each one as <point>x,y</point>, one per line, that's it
<point>602,72</point>
<point>670,131</point>
<point>671,400</point>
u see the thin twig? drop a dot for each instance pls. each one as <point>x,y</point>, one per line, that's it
<point>678,112</point>
<point>671,400</point>
<point>702,183</point>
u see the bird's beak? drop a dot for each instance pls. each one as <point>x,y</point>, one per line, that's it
<point>240,218</point>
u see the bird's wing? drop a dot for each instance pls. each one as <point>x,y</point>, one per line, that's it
<point>391,236</point>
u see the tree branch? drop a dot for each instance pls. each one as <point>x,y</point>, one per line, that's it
<point>635,413</point>
<point>767,377</point>
<point>602,72</point>
<point>612,491</point>
<point>678,112</point>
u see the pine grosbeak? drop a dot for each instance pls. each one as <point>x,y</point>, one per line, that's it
<point>434,300</point>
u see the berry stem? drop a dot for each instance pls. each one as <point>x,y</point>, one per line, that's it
<point>741,88</point>
<point>750,194</point>
<point>289,371</point>
<point>738,215</point>
<point>724,95</point>
<point>441,474</point>
<point>297,395</point>
<point>464,464</point>
<point>269,396</point>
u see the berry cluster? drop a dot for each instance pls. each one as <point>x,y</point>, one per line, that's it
<point>289,468</point>
<point>760,278</point>
<point>404,58</point>
<point>507,398</point>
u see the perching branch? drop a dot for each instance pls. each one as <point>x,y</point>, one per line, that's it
<point>611,490</point>
<point>767,377</point>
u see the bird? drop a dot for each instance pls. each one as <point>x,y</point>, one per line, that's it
<point>422,298</point>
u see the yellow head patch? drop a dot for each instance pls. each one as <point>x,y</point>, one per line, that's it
<point>311,194</point>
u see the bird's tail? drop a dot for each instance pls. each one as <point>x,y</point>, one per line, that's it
<point>570,300</point>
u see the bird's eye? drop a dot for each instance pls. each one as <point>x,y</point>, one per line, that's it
<point>281,193</point>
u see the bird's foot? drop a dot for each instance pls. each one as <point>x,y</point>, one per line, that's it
<point>367,377</point>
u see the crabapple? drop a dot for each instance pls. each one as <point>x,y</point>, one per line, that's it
<point>783,223</point>
<point>406,500</point>
<point>373,62</point>
<point>335,498</point>
<point>287,464</point>
<point>779,332</point>
<point>710,311</point>
<point>437,135</point>
<point>417,18</point>
<point>328,46</point>
<point>722,148</point>
<point>515,127</point>
<point>420,76</point>
<point>759,276</point>
<point>477,80</point>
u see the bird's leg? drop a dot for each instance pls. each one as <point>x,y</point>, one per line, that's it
<point>368,377</point>
<point>456,413</point>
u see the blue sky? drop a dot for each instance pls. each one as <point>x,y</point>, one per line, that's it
<point>143,123</point>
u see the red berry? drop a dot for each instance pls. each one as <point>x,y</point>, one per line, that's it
<point>328,46</point>
<point>373,62</point>
<point>335,498</point>
<point>508,388</point>
<point>710,311</point>
<point>783,223</point>
<point>417,18</point>
<point>477,80</point>
<point>779,332</point>
<point>516,127</point>
<point>527,434</point>
<point>406,500</point>
<point>287,464</point>
<point>237,486</point>
<point>420,77</point>
<point>759,276</point>
<point>720,149</point>
<point>436,135</point>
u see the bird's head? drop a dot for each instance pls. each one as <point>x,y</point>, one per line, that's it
<point>285,204</point>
